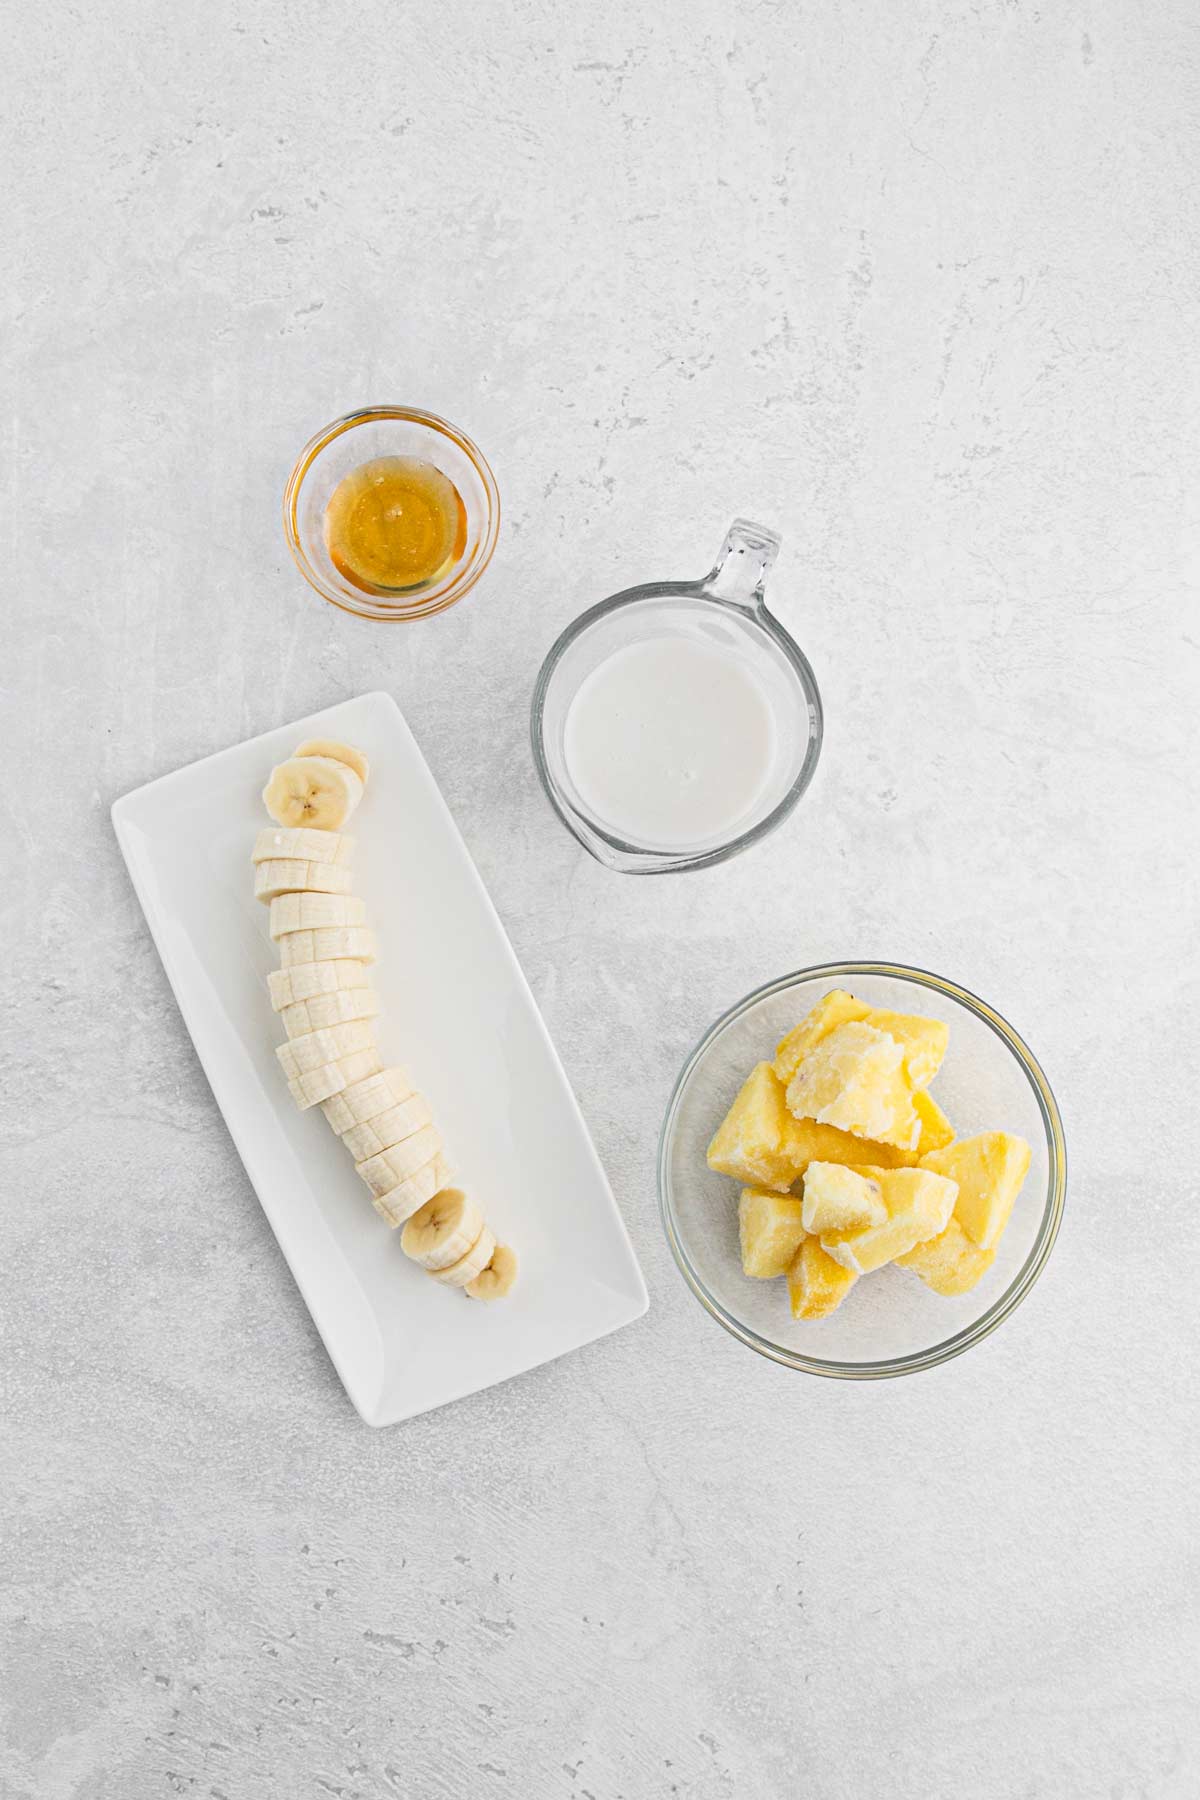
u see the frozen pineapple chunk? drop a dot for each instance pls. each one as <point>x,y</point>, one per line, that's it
<point>771,1231</point>
<point>949,1263</point>
<point>817,1284</point>
<point>922,1041</point>
<point>760,1144</point>
<point>809,1142</point>
<point>919,1204</point>
<point>936,1129</point>
<point>855,1079</point>
<point>989,1170</point>
<point>754,1140</point>
<point>839,1199</point>
<point>837,1008</point>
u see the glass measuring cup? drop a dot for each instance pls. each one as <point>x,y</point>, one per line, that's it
<point>725,611</point>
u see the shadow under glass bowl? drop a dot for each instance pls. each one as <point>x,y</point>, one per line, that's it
<point>360,437</point>
<point>890,1323</point>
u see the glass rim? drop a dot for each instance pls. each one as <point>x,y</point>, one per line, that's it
<point>994,1316</point>
<point>436,599</point>
<point>637,859</point>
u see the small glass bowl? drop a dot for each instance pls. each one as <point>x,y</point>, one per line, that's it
<point>890,1323</point>
<point>725,610</point>
<point>356,439</point>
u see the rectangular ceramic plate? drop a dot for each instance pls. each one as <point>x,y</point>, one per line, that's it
<point>456,1012</point>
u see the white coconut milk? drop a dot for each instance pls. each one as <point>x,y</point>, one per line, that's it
<point>670,742</point>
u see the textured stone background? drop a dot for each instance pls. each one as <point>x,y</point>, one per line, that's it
<point>916,284</point>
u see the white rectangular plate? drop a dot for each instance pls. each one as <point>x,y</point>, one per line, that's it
<point>456,1012</point>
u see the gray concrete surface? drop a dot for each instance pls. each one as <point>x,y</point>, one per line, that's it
<point>917,285</point>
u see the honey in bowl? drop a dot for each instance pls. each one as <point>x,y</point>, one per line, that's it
<point>395,523</point>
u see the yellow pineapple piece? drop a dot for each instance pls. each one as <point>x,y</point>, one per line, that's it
<point>753,1141</point>
<point>809,1142</point>
<point>855,1079</point>
<point>817,1284</point>
<point>840,1199</point>
<point>922,1041</point>
<point>771,1231</point>
<point>936,1129</point>
<point>919,1204</point>
<point>837,1008</point>
<point>989,1170</point>
<point>760,1144</point>
<point>949,1263</point>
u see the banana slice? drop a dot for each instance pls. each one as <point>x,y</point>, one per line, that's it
<point>343,753</point>
<point>315,912</point>
<point>325,1010</point>
<point>387,1128</point>
<point>367,1099</point>
<point>316,1087</point>
<point>312,792</point>
<point>286,876</point>
<point>289,986</point>
<point>469,1266</point>
<point>443,1230</point>
<point>274,844</point>
<point>319,1047</point>
<point>494,1282</point>
<point>404,1199</point>
<point>386,1171</point>
<point>334,943</point>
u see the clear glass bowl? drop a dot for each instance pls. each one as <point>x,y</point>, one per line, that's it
<point>724,610</point>
<point>356,439</point>
<point>890,1323</point>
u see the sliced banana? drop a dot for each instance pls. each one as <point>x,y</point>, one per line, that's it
<point>315,912</point>
<point>316,1086</point>
<point>329,1009</point>
<point>302,1054</point>
<point>469,1266</point>
<point>284,875</point>
<point>367,1099</point>
<point>274,843</point>
<point>494,1282</point>
<point>404,1199</point>
<point>386,1171</point>
<point>333,943</point>
<point>312,792</point>
<point>343,753</point>
<point>443,1230</point>
<point>288,987</point>
<point>326,1006</point>
<point>387,1128</point>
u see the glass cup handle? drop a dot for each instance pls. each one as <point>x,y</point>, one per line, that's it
<point>740,572</point>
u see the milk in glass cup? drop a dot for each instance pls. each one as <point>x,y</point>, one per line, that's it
<point>677,723</point>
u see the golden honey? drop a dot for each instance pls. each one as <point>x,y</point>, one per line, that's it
<point>395,523</point>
